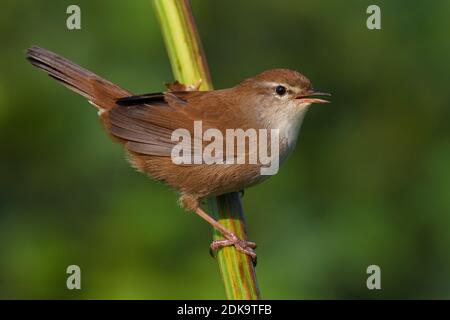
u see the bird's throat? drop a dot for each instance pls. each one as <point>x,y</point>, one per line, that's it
<point>289,124</point>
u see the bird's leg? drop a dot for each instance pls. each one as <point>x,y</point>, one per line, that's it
<point>231,239</point>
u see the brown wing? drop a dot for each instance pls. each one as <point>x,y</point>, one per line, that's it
<point>145,123</point>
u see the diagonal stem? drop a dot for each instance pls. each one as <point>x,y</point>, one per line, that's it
<point>189,65</point>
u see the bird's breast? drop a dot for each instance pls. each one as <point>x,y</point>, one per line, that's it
<point>288,124</point>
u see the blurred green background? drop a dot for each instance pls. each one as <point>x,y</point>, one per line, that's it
<point>369,181</point>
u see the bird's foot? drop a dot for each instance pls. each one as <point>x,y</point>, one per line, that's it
<point>243,246</point>
<point>177,86</point>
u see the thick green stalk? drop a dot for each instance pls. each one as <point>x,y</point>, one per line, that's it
<point>189,66</point>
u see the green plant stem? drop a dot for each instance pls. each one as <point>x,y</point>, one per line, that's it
<point>189,66</point>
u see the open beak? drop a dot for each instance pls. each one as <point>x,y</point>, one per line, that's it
<point>310,97</point>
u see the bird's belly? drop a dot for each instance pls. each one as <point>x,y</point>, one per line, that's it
<point>200,180</point>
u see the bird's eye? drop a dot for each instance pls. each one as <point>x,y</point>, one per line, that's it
<point>280,90</point>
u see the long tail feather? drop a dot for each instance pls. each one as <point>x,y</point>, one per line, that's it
<point>100,92</point>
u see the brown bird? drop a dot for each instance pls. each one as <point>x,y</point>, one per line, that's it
<point>275,99</point>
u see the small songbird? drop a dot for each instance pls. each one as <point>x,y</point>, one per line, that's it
<point>274,99</point>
